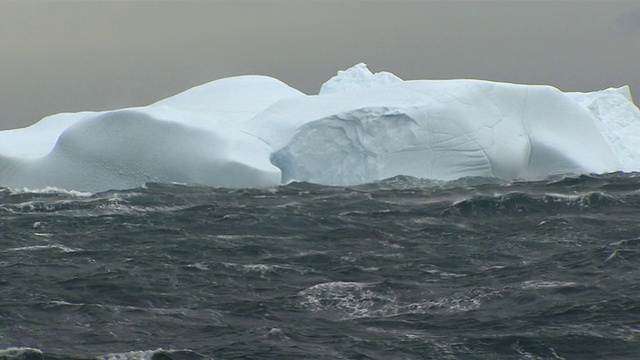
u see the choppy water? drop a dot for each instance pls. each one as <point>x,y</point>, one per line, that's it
<point>401,269</point>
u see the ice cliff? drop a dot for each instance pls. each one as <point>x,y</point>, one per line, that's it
<point>255,131</point>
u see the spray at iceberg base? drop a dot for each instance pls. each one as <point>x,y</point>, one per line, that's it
<point>255,131</point>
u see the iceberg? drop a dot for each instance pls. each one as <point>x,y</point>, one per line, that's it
<point>256,131</point>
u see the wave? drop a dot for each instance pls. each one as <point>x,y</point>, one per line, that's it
<point>523,203</point>
<point>471,196</point>
<point>27,353</point>
<point>614,180</point>
<point>50,190</point>
<point>356,300</point>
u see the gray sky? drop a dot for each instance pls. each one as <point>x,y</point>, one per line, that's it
<point>73,56</point>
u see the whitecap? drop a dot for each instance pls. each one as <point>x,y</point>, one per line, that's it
<point>543,284</point>
<point>44,247</point>
<point>353,300</point>
<point>49,190</point>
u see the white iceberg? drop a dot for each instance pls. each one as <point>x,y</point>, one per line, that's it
<point>255,131</point>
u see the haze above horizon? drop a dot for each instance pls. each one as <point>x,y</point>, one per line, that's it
<point>74,56</point>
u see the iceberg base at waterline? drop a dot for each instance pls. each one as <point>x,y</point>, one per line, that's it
<point>255,131</point>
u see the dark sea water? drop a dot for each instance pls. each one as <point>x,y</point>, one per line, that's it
<point>400,269</point>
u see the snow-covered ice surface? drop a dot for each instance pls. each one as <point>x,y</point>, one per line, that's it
<point>255,131</point>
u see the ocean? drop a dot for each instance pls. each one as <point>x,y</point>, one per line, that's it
<point>403,268</point>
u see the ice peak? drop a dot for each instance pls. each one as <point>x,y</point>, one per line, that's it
<point>357,77</point>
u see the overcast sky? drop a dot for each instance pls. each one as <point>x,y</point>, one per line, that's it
<point>72,56</point>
